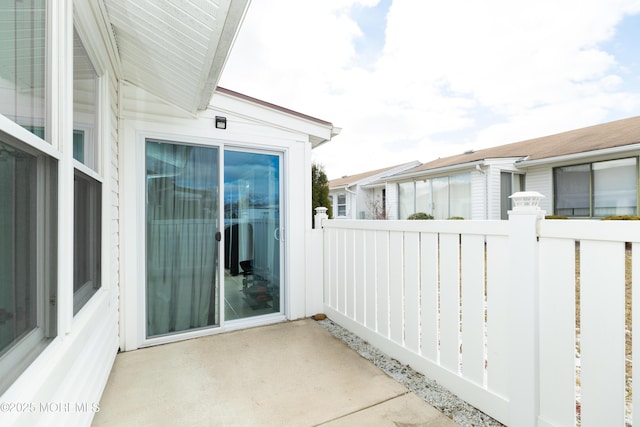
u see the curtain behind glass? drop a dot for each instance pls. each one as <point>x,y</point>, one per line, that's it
<point>614,187</point>
<point>423,196</point>
<point>182,251</point>
<point>460,194</point>
<point>406,199</point>
<point>440,197</point>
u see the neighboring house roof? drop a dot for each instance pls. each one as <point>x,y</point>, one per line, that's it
<point>365,177</point>
<point>593,138</point>
<point>175,50</point>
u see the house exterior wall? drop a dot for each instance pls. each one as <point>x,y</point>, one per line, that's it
<point>493,191</point>
<point>478,195</point>
<point>392,200</point>
<point>363,201</point>
<point>540,179</point>
<point>147,116</point>
<point>63,385</point>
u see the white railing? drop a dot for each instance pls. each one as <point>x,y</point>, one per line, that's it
<point>488,309</point>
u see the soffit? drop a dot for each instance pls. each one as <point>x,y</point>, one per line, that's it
<point>175,49</point>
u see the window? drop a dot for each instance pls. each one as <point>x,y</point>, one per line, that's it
<point>572,189</point>
<point>87,227</point>
<point>424,200</point>
<point>406,199</point>
<point>28,194</point>
<point>342,205</point>
<point>615,187</point>
<point>460,196</point>
<point>87,209</point>
<point>443,197</point>
<point>596,189</point>
<point>509,183</point>
<point>28,263</point>
<point>85,106</point>
<point>23,63</point>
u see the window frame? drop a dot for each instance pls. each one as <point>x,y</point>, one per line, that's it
<point>93,247</point>
<point>506,204</point>
<point>16,358</point>
<point>591,179</point>
<point>341,205</point>
<point>444,191</point>
<point>90,169</point>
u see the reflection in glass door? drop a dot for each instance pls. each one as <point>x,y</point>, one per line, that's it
<point>251,234</point>
<point>182,200</point>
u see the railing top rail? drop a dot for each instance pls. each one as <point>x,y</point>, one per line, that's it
<point>611,231</point>
<point>428,226</point>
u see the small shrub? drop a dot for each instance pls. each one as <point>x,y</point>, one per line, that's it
<point>556,217</point>
<point>420,215</point>
<point>621,218</point>
<point>456,217</point>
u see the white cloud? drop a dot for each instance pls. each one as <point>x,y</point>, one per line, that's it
<point>452,75</point>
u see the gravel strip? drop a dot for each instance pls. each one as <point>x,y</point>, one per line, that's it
<point>437,396</point>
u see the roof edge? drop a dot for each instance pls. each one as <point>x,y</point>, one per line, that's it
<point>579,156</point>
<point>279,108</point>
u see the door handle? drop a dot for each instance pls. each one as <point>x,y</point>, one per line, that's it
<point>276,233</point>
<point>218,236</point>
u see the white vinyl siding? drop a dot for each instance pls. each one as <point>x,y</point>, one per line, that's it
<point>392,201</point>
<point>539,179</point>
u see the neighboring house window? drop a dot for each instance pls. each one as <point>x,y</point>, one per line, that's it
<point>443,197</point>
<point>424,198</point>
<point>509,183</point>
<point>460,196</point>
<point>342,205</point>
<point>384,202</point>
<point>406,199</point>
<point>596,189</point>
<point>28,195</point>
<point>87,223</point>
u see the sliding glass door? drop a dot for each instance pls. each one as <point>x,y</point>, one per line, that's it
<point>252,231</point>
<point>182,200</point>
<point>189,238</point>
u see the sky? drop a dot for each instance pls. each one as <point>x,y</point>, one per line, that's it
<point>421,79</point>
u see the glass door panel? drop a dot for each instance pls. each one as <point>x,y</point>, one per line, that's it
<point>182,199</point>
<point>252,234</point>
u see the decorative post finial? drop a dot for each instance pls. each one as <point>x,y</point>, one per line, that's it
<point>526,201</point>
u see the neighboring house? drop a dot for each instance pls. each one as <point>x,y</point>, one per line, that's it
<point>135,197</point>
<point>357,197</point>
<point>584,173</point>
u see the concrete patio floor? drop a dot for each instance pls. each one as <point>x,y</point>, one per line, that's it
<point>289,374</point>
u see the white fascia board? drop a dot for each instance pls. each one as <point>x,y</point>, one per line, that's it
<point>92,23</point>
<point>624,149</point>
<point>317,132</point>
<point>375,185</point>
<point>236,12</point>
